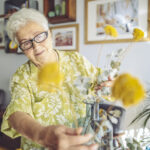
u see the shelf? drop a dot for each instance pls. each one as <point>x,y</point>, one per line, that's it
<point>70,10</point>
<point>60,19</point>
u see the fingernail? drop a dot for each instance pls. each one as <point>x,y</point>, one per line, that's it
<point>95,147</point>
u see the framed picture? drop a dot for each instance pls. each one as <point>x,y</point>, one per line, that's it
<point>2,40</point>
<point>66,37</point>
<point>124,15</point>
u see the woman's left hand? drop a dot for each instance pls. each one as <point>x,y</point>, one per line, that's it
<point>107,83</point>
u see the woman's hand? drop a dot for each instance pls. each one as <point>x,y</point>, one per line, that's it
<point>107,83</point>
<point>63,138</point>
<point>60,137</point>
<point>55,137</point>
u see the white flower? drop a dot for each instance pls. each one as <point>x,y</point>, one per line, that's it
<point>82,84</point>
<point>110,71</point>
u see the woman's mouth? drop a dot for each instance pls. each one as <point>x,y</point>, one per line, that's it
<point>39,53</point>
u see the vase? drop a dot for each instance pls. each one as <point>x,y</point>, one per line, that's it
<point>99,126</point>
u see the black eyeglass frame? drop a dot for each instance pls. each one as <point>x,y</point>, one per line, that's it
<point>46,33</point>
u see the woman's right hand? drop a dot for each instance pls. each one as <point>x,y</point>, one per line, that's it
<point>59,137</point>
<point>55,137</point>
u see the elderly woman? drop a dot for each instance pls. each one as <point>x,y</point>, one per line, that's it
<point>43,119</point>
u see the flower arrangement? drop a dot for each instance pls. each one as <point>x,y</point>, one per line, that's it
<point>111,71</point>
<point>129,91</point>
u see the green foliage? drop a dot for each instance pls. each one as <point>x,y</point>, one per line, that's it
<point>133,144</point>
<point>145,113</point>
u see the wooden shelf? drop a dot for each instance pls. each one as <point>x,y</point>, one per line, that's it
<point>70,11</point>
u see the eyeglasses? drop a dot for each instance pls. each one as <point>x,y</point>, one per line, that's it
<point>38,39</point>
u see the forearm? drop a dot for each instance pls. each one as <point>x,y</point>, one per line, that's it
<point>56,137</point>
<point>26,125</point>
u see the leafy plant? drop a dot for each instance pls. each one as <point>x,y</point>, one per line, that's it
<point>133,144</point>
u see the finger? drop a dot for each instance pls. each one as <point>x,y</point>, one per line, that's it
<point>72,131</point>
<point>106,83</point>
<point>98,87</point>
<point>94,147</point>
<point>85,147</point>
<point>109,78</point>
<point>79,130</point>
<point>78,139</point>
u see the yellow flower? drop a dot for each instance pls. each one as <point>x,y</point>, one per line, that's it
<point>49,77</point>
<point>128,89</point>
<point>110,30</point>
<point>138,34</point>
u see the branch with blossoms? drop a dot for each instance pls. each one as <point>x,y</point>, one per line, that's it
<point>112,67</point>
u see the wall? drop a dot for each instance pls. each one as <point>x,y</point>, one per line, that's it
<point>8,64</point>
<point>136,61</point>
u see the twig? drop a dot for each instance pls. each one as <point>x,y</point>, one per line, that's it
<point>100,51</point>
<point>99,54</point>
<point>126,50</point>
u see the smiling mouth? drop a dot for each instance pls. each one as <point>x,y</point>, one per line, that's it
<point>39,53</point>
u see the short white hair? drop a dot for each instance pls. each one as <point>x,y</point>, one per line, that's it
<point>21,18</point>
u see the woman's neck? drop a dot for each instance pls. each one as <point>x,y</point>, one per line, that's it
<point>52,57</point>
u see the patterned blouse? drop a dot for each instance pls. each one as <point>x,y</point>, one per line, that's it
<point>45,107</point>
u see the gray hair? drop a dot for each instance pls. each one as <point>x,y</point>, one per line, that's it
<point>21,18</point>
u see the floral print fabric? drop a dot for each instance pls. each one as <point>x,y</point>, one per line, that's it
<point>48,108</point>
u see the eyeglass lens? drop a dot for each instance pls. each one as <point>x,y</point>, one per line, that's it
<point>38,39</point>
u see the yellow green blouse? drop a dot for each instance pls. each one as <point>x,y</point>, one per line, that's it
<point>48,108</point>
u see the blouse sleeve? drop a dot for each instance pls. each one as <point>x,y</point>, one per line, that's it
<point>20,101</point>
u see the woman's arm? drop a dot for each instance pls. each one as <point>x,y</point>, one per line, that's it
<point>25,125</point>
<point>56,137</point>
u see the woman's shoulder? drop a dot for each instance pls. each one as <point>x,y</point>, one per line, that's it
<point>73,55</point>
<point>23,71</point>
<point>24,67</point>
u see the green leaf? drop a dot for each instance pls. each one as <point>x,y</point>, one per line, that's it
<point>146,120</point>
<point>140,115</point>
<point>135,141</point>
<point>131,146</point>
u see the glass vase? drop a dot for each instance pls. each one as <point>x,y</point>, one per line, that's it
<point>96,123</point>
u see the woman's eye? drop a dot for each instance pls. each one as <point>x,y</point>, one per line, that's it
<point>39,36</point>
<point>27,43</point>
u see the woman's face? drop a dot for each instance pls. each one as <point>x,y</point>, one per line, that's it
<point>39,53</point>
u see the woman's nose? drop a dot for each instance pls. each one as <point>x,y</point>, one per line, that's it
<point>35,45</point>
